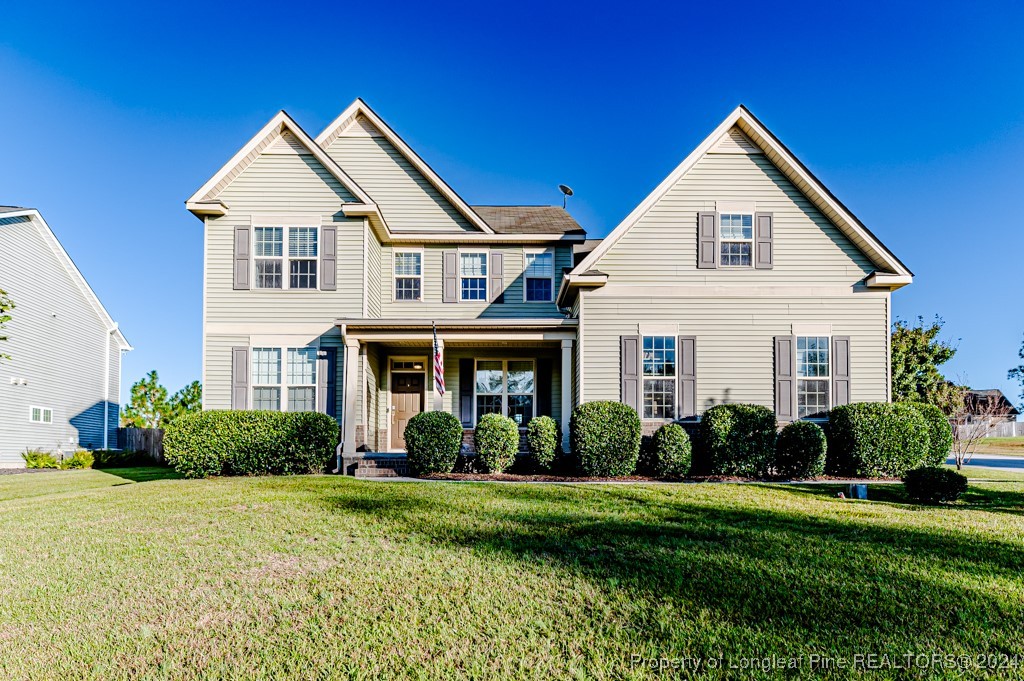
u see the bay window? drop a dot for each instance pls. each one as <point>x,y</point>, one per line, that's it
<point>659,377</point>
<point>813,383</point>
<point>505,387</point>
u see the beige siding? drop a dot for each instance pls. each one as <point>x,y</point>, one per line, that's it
<point>373,273</point>
<point>217,369</point>
<point>661,248</point>
<point>407,200</point>
<point>735,351</point>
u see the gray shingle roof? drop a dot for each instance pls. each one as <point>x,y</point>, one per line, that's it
<point>10,209</point>
<point>529,220</point>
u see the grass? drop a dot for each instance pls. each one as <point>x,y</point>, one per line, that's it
<point>1001,445</point>
<point>328,577</point>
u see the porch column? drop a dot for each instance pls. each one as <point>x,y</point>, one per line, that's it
<point>438,403</point>
<point>566,392</point>
<point>351,370</point>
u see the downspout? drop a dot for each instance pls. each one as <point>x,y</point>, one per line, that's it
<point>106,388</point>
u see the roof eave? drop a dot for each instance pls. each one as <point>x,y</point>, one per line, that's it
<point>572,283</point>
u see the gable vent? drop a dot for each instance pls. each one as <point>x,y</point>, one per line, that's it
<point>735,142</point>
<point>286,144</point>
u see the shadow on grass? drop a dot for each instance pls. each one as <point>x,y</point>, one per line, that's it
<point>144,473</point>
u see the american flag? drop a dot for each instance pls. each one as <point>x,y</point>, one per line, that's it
<point>438,366</point>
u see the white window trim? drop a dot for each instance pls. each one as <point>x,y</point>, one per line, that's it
<point>504,385</point>
<point>42,415</point>
<point>828,379</point>
<point>284,258</point>
<point>537,251</point>
<point>735,241</point>
<point>285,383</point>
<point>674,378</point>
<point>487,273</point>
<point>394,275</point>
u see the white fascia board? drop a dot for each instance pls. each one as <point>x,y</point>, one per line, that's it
<point>887,280</point>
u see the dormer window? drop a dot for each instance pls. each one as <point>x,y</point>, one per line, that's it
<point>736,236</point>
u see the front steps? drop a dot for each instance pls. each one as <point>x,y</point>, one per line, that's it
<point>377,465</point>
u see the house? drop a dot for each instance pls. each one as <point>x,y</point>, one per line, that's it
<point>990,405</point>
<point>329,262</point>
<point>60,389</point>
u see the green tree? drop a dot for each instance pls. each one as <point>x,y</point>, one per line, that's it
<point>5,306</point>
<point>150,406</point>
<point>916,355</point>
<point>1017,373</point>
<point>187,400</point>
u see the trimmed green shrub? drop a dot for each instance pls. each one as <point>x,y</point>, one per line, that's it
<point>497,441</point>
<point>605,438</point>
<point>934,485</point>
<point>37,458</point>
<point>940,433</point>
<point>209,443</point>
<point>800,450</point>
<point>542,438</point>
<point>876,439</point>
<point>82,458</point>
<point>736,439</point>
<point>433,440</point>
<point>671,452</point>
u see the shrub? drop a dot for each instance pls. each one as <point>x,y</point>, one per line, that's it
<point>800,450</point>
<point>542,437</point>
<point>940,433</point>
<point>605,438</point>
<point>250,443</point>
<point>37,458</point>
<point>934,485</point>
<point>876,439</point>
<point>736,439</point>
<point>497,442</point>
<point>433,440</point>
<point>671,453</point>
<point>82,458</point>
<point>120,458</point>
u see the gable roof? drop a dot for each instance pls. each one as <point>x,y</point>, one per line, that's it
<point>69,265</point>
<point>359,108</point>
<point>530,220</point>
<point>978,399</point>
<point>891,272</point>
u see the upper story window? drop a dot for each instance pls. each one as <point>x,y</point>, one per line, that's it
<point>299,260</point>
<point>408,275</point>
<point>736,239</point>
<point>40,415</point>
<point>293,389</point>
<point>539,277</point>
<point>473,276</point>
<point>813,383</point>
<point>659,377</point>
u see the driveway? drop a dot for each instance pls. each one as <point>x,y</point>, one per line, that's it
<point>999,462</point>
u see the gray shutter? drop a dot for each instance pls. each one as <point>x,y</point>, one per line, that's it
<point>325,384</point>
<point>764,233</point>
<point>785,378</point>
<point>840,370</point>
<point>496,276</point>
<point>466,392</point>
<point>630,368</point>
<point>687,362</point>
<point>243,253</point>
<point>707,240</point>
<point>450,276</point>
<point>239,378</point>
<point>329,258</point>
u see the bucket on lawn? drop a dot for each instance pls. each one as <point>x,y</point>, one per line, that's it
<point>857,491</point>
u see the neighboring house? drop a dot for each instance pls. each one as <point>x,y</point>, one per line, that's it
<point>329,261</point>
<point>61,387</point>
<point>990,405</point>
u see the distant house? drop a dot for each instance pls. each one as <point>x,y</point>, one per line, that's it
<point>992,403</point>
<point>60,388</point>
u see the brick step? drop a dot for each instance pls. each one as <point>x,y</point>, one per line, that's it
<point>390,466</point>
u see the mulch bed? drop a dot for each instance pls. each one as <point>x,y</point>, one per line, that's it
<point>18,471</point>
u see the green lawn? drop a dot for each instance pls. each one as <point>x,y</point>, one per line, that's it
<point>1001,445</point>
<point>321,577</point>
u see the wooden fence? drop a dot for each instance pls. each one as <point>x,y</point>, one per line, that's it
<point>1007,429</point>
<point>149,440</point>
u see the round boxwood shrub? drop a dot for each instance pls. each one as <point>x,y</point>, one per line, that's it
<point>542,439</point>
<point>605,438</point>
<point>671,452</point>
<point>800,450</point>
<point>940,433</point>
<point>736,439</point>
<point>934,485</point>
<point>250,443</point>
<point>497,442</point>
<point>433,440</point>
<point>876,439</point>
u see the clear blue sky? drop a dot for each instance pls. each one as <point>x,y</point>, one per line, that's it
<point>914,118</point>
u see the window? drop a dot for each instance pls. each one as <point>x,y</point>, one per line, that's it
<point>813,381</point>
<point>40,415</point>
<point>736,232</point>
<point>659,376</point>
<point>473,276</point>
<point>300,261</point>
<point>540,277</point>
<point>506,387</point>
<point>408,275</point>
<point>297,383</point>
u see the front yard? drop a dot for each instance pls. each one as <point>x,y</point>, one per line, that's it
<point>317,576</point>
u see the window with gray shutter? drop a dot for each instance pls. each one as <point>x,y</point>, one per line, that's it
<point>630,370</point>
<point>764,233</point>
<point>243,252</point>
<point>450,276</point>
<point>239,378</point>
<point>496,272</point>
<point>707,240</point>
<point>785,378</point>
<point>687,361</point>
<point>840,370</point>
<point>329,258</point>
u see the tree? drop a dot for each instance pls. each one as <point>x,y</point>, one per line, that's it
<point>150,407</point>
<point>5,306</point>
<point>187,400</point>
<point>1017,373</point>
<point>972,420</point>
<point>916,356</point>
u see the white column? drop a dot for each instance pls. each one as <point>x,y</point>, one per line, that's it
<point>438,404</point>
<point>349,416</point>
<point>566,392</point>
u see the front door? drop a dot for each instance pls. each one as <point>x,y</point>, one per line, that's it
<point>406,402</point>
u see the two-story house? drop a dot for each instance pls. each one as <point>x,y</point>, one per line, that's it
<point>329,263</point>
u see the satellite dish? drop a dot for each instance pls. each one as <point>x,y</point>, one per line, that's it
<point>566,192</point>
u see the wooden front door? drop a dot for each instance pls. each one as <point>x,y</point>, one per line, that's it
<point>406,402</point>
